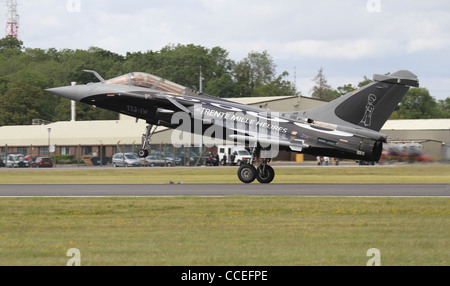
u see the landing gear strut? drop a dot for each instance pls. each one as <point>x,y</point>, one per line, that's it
<point>266,174</point>
<point>247,173</point>
<point>149,130</point>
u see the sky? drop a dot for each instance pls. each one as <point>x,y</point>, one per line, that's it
<point>349,39</point>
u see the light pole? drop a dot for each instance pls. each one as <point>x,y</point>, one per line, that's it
<point>201,81</point>
<point>49,130</point>
<point>101,153</point>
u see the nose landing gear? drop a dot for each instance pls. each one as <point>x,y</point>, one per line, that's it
<point>149,130</point>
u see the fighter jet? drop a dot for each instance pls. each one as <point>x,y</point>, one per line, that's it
<point>346,128</point>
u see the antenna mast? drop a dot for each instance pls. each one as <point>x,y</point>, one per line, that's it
<point>12,21</point>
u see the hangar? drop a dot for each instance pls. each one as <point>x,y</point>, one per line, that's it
<point>432,134</point>
<point>105,138</point>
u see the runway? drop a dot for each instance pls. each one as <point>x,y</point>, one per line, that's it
<point>215,190</point>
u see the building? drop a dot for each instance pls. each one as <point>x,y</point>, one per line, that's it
<point>432,134</point>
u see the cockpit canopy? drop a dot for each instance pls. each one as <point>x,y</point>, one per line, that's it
<point>147,81</point>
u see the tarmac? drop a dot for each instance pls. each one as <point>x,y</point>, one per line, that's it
<point>178,189</point>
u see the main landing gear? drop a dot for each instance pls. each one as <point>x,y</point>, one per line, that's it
<point>247,173</point>
<point>149,130</point>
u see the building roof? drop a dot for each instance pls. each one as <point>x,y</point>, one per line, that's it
<point>68,133</point>
<point>417,124</point>
<point>129,132</point>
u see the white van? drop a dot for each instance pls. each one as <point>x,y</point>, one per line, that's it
<point>236,155</point>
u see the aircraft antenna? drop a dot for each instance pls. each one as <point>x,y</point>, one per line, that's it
<point>12,19</point>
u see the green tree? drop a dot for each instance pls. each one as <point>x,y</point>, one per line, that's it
<point>3,84</point>
<point>20,104</point>
<point>10,42</point>
<point>252,72</point>
<point>444,107</point>
<point>182,64</point>
<point>277,87</point>
<point>322,90</point>
<point>34,70</point>
<point>222,87</point>
<point>365,82</point>
<point>346,88</point>
<point>418,104</point>
<point>255,70</point>
<point>255,76</point>
<point>149,62</point>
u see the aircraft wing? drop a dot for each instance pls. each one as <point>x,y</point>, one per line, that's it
<point>296,146</point>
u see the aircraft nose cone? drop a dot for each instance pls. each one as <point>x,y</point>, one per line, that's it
<point>76,92</point>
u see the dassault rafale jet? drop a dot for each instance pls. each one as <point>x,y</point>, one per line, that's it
<point>346,128</point>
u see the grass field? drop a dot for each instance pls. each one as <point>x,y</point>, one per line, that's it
<point>225,231</point>
<point>209,175</point>
<point>230,230</point>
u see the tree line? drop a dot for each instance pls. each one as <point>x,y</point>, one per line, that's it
<point>26,72</point>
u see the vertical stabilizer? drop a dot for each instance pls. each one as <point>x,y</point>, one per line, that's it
<point>370,106</point>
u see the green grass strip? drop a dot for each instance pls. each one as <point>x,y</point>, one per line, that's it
<point>437,174</point>
<point>225,231</point>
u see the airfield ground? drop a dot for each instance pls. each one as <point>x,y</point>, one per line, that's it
<point>285,174</point>
<point>236,230</point>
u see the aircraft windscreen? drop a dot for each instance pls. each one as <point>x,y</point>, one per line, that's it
<point>122,80</point>
<point>147,81</point>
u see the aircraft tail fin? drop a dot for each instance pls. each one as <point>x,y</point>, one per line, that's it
<point>369,107</point>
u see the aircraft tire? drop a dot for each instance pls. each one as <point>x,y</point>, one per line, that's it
<point>143,153</point>
<point>247,173</point>
<point>266,176</point>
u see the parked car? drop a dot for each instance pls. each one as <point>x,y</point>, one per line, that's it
<point>16,161</point>
<point>42,162</point>
<point>126,160</point>
<point>187,158</point>
<point>169,157</point>
<point>156,160</point>
<point>31,158</point>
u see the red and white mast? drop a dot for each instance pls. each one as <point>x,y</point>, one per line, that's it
<point>12,19</point>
